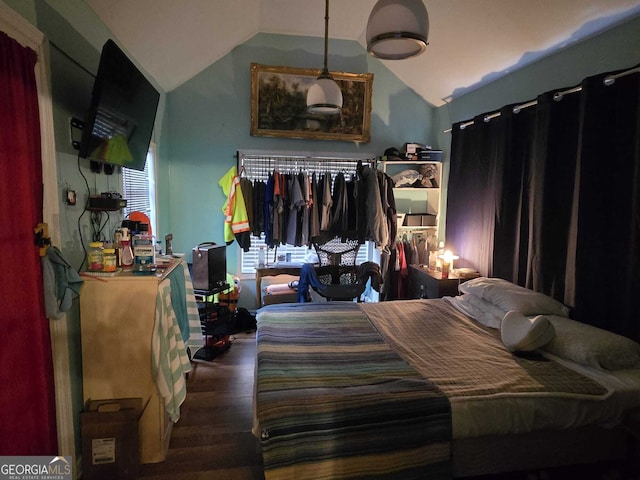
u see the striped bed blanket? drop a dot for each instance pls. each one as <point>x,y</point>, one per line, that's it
<point>334,401</point>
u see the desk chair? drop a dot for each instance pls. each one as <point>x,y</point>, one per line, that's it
<point>310,277</point>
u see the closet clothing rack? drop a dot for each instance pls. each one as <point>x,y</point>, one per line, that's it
<point>258,164</point>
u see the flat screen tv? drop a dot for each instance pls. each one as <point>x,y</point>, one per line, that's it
<point>123,109</point>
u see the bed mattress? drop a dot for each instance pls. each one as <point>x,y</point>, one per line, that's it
<point>320,365</point>
<point>491,390</point>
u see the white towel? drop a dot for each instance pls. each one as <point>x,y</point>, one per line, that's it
<point>169,359</point>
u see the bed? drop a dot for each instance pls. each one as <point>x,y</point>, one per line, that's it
<point>497,379</point>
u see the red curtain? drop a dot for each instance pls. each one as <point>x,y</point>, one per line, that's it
<point>27,398</point>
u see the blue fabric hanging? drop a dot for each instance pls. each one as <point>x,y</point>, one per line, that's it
<point>308,278</point>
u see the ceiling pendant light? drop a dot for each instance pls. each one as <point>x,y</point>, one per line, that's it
<point>397,29</point>
<point>324,97</point>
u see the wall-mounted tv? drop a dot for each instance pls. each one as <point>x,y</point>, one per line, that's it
<point>123,109</point>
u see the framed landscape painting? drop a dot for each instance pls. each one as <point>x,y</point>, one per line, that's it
<point>279,105</point>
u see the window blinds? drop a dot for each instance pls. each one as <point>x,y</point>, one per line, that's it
<point>258,164</point>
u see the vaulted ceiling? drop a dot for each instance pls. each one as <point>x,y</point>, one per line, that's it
<point>471,42</point>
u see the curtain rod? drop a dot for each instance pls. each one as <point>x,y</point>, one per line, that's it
<point>607,81</point>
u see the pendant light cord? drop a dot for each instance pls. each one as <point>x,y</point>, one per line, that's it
<point>326,37</point>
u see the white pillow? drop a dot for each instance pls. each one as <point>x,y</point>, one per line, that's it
<point>509,296</point>
<point>592,346</point>
<point>480,310</point>
<point>525,334</point>
<point>278,288</point>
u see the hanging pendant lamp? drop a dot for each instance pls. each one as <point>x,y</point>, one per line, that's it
<point>324,97</point>
<point>397,29</point>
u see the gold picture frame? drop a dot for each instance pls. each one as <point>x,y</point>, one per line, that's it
<point>278,105</point>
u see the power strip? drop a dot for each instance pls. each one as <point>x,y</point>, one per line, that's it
<point>102,203</point>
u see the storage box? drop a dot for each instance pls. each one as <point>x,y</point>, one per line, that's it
<point>111,439</point>
<point>413,220</point>
<point>430,155</point>
<point>420,220</point>
<point>428,220</point>
<point>209,266</point>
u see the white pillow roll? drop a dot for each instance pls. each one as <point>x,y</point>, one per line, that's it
<point>525,334</point>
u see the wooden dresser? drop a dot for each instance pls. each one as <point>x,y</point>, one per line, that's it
<point>117,318</point>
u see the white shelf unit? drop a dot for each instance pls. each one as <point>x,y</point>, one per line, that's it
<point>415,200</point>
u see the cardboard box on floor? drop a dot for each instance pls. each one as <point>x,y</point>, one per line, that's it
<point>111,439</point>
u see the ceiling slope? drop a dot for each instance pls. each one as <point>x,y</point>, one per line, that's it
<point>471,42</point>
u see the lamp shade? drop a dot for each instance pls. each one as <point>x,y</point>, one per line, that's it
<point>397,29</point>
<point>324,97</point>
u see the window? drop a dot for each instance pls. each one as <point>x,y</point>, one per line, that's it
<point>139,188</point>
<point>256,165</point>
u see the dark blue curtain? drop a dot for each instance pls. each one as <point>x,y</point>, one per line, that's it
<point>548,198</point>
<point>607,210</point>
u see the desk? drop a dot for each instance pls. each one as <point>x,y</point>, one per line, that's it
<point>270,272</point>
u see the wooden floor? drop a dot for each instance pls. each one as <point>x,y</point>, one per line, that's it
<point>213,439</point>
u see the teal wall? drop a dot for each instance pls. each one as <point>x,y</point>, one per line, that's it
<point>614,49</point>
<point>76,37</point>
<point>202,123</point>
<point>208,120</point>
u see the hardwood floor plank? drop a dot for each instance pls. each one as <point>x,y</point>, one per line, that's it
<point>213,439</point>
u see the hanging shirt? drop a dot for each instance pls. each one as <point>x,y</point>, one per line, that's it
<point>278,206</point>
<point>305,208</point>
<point>377,226</point>
<point>268,212</point>
<point>247,193</point>
<point>327,203</point>
<point>295,211</point>
<point>259,193</point>
<point>314,227</point>
<point>339,206</point>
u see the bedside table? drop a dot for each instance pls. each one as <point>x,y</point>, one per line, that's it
<point>432,283</point>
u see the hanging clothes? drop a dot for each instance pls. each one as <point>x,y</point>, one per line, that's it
<point>295,211</point>
<point>377,227</point>
<point>339,206</point>
<point>259,196</point>
<point>305,185</point>
<point>389,207</point>
<point>327,204</point>
<point>61,283</point>
<point>268,212</point>
<point>284,212</point>
<point>236,223</point>
<point>278,208</point>
<point>314,221</point>
<point>247,193</point>
<point>403,272</point>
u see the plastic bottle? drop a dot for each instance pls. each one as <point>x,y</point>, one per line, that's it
<point>433,262</point>
<point>261,258</point>
<point>143,253</point>
<point>126,253</point>
<point>95,257</point>
<point>109,260</point>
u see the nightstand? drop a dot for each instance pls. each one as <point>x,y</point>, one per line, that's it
<point>425,283</point>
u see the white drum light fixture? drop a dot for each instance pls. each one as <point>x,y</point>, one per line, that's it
<point>324,97</point>
<point>397,29</point>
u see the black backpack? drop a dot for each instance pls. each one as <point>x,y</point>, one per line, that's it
<point>243,320</point>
